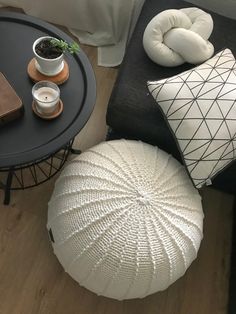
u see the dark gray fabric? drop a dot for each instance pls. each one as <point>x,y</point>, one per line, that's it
<point>132,111</point>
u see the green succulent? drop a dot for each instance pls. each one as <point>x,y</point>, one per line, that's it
<point>64,46</point>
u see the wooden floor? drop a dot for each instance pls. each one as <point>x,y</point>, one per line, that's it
<point>32,281</point>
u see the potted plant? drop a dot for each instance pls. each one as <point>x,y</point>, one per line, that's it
<point>49,53</point>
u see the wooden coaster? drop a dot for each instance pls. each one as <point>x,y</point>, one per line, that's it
<point>36,76</point>
<point>50,116</point>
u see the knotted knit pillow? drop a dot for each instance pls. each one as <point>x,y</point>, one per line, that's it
<point>125,220</point>
<point>173,37</point>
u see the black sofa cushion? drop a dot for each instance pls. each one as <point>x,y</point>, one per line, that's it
<point>132,111</point>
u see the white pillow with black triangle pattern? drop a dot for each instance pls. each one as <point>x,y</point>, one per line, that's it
<point>200,107</point>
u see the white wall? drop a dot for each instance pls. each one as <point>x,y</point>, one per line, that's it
<point>223,7</point>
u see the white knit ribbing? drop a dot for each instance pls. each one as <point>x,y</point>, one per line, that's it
<point>125,218</point>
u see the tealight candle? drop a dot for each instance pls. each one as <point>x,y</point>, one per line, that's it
<point>46,96</point>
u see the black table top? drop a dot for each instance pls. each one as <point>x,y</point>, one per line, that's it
<point>30,138</point>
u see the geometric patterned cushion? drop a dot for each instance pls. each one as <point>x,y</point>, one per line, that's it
<point>200,108</point>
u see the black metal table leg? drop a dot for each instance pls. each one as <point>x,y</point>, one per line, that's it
<point>29,175</point>
<point>8,187</point>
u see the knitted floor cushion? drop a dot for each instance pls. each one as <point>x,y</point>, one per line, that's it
<point>125,220</point>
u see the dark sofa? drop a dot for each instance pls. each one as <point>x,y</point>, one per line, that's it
<point>132,112</point>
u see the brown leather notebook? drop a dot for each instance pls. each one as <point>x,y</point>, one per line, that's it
<point>10,103</point>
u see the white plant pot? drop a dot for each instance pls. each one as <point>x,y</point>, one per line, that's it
<point>49,67</point>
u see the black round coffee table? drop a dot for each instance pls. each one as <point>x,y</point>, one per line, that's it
<point>31,144</point>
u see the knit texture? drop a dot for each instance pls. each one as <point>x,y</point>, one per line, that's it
<point>173,37</point>
<point>126,219</point>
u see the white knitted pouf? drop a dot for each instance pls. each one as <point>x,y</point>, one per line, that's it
<point>125,220</point>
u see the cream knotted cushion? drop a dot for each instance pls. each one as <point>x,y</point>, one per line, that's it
<point>173,37</point>
<point>125,219</point>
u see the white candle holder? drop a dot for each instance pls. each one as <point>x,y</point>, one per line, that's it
<point>46,97</point>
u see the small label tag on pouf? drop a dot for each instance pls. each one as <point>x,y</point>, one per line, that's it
<point>51,235</point>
